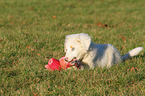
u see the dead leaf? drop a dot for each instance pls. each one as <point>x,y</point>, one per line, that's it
<point>38,54</point>
<point>123,38</point>
<point>109,81</point>
<point>123,47</point>
<point>69,25</point>
<point>19,46</point>
<point>85,26</point>
<point>132,69</point>
<point>27,46</point>
<point>89,26</point>
<point>46,58</point>
<point>1,40</point>
<point>35,40</point>
<point>31,8</point>
<point>136,68</point>
<point>32,49</point>
<point>105,25</point>
<point>34,94</point>
<point>54,16</point>
<point>12,23</point>
<point>99,24</point>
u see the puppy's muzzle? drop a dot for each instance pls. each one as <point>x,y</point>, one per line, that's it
<point>67,60</point>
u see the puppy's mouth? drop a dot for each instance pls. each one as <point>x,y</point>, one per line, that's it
<point>70,61</point>
<point>73,60</point>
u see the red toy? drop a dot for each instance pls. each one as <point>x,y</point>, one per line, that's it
<point>54,64</point>
<point>64,64</point>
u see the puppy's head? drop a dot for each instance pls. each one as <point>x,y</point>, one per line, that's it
<point>76,46</point>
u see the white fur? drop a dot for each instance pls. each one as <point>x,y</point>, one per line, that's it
<point>132,53</point>
<point>80,47</point>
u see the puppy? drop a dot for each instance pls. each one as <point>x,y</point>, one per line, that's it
<point>80,47</point>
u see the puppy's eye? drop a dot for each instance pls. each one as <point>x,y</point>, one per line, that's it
<point>72,49</point>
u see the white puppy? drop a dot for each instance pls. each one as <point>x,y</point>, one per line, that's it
<point>80,47</point>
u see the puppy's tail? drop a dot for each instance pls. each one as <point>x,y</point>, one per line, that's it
<point>132,53</point>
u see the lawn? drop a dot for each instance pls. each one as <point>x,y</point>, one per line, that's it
<point>33,31</point>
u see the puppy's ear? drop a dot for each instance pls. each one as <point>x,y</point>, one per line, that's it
<point>85,40</point>
<point>66,39</point>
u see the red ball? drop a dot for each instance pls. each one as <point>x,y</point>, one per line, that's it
<point>53,64</point>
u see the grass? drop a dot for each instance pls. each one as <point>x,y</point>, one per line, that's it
<point>33,31</point>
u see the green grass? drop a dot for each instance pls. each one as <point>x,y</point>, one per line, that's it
<point>33,31</point>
